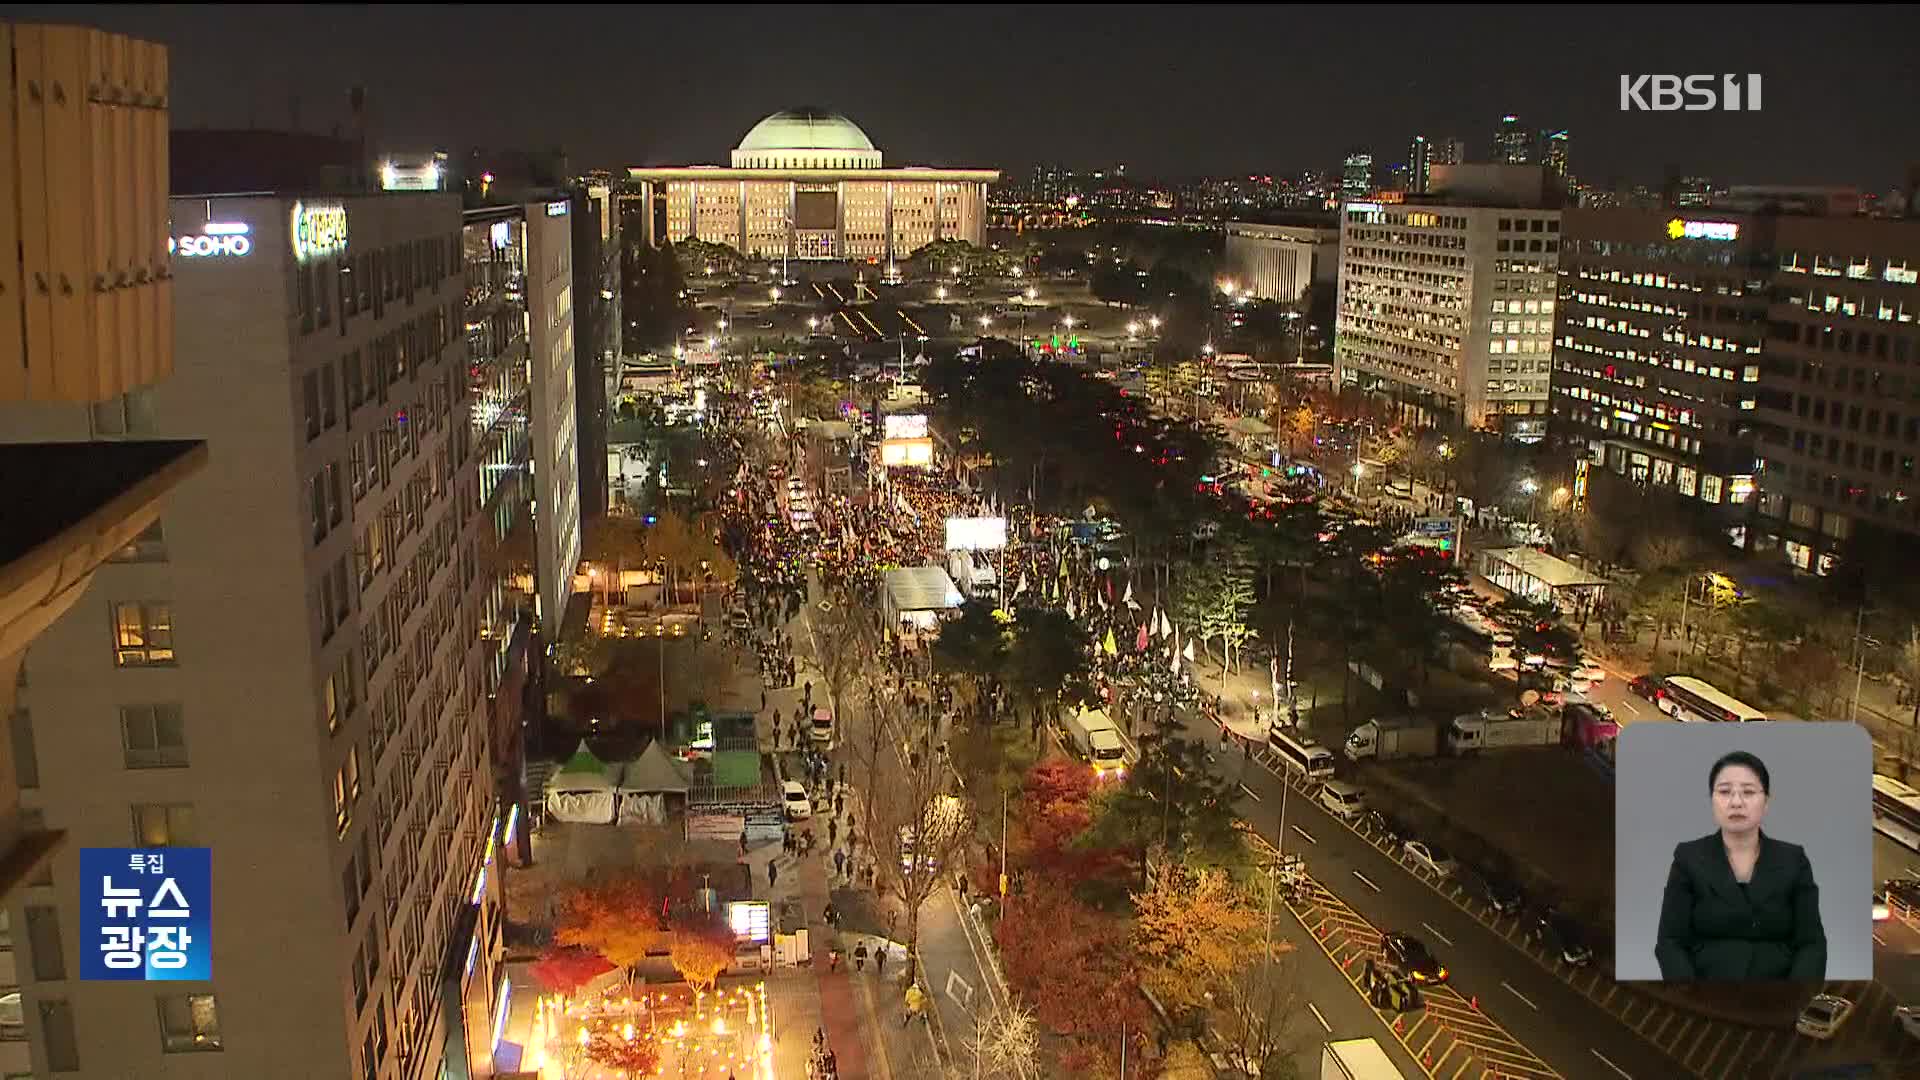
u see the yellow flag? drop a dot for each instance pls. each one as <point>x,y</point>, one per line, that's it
<point>1109,645</point>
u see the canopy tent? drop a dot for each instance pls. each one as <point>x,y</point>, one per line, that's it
<point>582,791</point>
<point>645,783</point>
<point>1248,426</point>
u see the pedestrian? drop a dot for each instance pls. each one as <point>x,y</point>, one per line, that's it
<point>773,874</point>
<point>809,694</point>
<point>916,1000</point>
<point>1224,733</point>
<point>839,801</point>
<point>880,959</point>
<point>763,693</point>
<point>860,957</point>
<point>833,831</point>
<point>833,961</point>
<point>873,871</point>
<point>743,843</point>
<point>840,862</point>
<point>960,883</point>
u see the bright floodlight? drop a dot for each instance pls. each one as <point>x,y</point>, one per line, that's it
<point>1154,322</point>
<point>774,293</point>
<point>985,322</point>
<point>1032,293</point>
<point>941,292</point>
<point>813,323</point>
<point>1068,321</point>
<point>1529,485</point>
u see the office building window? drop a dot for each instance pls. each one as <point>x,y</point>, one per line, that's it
<point>163,825</point>
<point>143,634</point>
<point>56,1027</point>
<point>189,1023</point>
<point>153,736</point>
<point>149,546</point>
<point>130,413</point>
<point>43,940</point>
<point>13,1018</point>
<point>33,819</point>
<point>335,505</point>
<point>26,762</point>
<point>329,403</point>
<point>317,496</point>
<point>310,394</point>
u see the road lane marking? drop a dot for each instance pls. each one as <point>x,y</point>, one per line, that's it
<point>1304,833</point>
<point>1523,998</point>
<point>1436,933</point>
<point>1630,707</point>
<point>1609,1064</point>
<point>1317,1016</point>
<point>1878,940</point>
<point>1250,793</point>
<point>1364,881</point>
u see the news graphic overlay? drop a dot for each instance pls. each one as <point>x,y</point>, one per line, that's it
<point>1743,852</point>
<point>145,914</point>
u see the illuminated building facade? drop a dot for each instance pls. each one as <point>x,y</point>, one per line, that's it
<point>1280,262</point>
<point>1446,305</point>
<point>809,184</point>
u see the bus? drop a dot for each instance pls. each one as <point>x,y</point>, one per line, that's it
<point>1693,700</point>
<point>1300,754</point>
<point>1896,811</point>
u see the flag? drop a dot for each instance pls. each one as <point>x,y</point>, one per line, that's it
<point>1166,626</point>
<point>1071,614</point>
<point>1102,597</point>
<point>1140,643</point>
<point>1112,649</point>
<point>1189,653</point>
<point>1128,599</point>
<point>1175,658</point>
<point>1023,584</point>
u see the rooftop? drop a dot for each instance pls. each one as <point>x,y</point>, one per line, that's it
<point>806,128</point>
<point>57,488</point>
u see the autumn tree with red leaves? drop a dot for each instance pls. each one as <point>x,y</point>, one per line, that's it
<point>702,949</point>
<point>610,1046</point>
<point>1071,964</point>
<point>564,971</point>
<point>618,917</point>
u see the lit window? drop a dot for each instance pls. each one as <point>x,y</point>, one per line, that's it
<point>143,635</point>
<point>189,1023</point>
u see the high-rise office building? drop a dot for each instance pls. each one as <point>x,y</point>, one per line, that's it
<point>596,347</point>
<point>1513,144</point>
<point>1555,145</point>
<point>1757,361</point>
<point>1657,353</point>
<point>303,663</point>
<point>1419,160</point>
<point>1450,150</point>
<point>1446,302</point>
<point>1356,176</point>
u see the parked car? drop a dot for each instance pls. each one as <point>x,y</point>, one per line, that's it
<point>1381,823</point>
<point>822,726</point>
<point>1429,857</point>
<point>1502,894</point>
<point>794,795</point>
<point>1342,799</point>
<point>1410,956</point>
<point>1561,937</point>
<point>1822,1017</point>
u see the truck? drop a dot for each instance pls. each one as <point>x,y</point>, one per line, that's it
<point>1492,730</point>
<point>1357,1059</point>
<point>1093,737</point>
<point>1393,737</point>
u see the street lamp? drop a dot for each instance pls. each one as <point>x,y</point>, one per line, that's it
<point>813,323</point>
<point>1032,293</point>
<point>1068,321</point>
<point>985,321</point>
<point>774,295</point>
<point>940,293</point>
<point>1155,323</point>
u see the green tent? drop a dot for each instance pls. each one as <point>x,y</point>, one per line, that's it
<point>583,761</point>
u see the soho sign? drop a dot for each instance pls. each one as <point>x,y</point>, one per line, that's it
<point>1681,229</point>
<point>318,230</point>
<point>217,239</point>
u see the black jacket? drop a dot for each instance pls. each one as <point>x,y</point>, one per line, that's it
<point>1710,928</point>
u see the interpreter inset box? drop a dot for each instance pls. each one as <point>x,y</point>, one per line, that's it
<point>1743,852</point>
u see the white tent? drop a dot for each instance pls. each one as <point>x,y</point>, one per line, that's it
<point>645,783</point>
<point>582,791</point>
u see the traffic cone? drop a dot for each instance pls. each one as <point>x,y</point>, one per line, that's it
<point>1397,1027</point>
<point>1475,1002</point>
<point>1426,1058</point>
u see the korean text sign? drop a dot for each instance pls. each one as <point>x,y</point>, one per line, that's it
<point>145,914</point>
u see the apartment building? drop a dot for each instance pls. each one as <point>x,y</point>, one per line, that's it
<point>1446,303</point>
<point>299,665</point>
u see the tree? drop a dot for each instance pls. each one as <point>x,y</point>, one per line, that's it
<point>617,917</point>
<point>613,1043</point>
<point>702,948</point>
<point>915,828</point>
<point>1006,1043</point>
<point>973,643</point>
<point>1172,800</point>
<point>1192,929</point>
<point>1260,1007</point>
<point>1048,659</point>
<point>565,970</point>
<point>1071,963</point>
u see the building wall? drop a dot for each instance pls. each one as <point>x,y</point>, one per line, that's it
<point>1657,355</point>
<point>1422,289</point>
<point>323,669</point>
<point>556,473</point>
<point>876,217</point>
<point>1843,409</point>
<point>596,290</point>
<point>1280,262</point>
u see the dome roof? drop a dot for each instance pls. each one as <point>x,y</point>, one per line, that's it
<point>806,128</point>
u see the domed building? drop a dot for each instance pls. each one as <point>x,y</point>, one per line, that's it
<point>807,183</point>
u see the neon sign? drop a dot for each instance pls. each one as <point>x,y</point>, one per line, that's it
<point>556,209</point>
<point>318,230</point>
<point>217,239</point>
<point>1679,229</point>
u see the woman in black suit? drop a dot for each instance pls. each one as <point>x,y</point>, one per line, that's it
<point>1741,905</point>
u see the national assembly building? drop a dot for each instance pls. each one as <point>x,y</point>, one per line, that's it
<point>808,184</point>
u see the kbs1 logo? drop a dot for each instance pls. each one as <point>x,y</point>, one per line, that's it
<point>145,914</point>
<point>1689,93</point>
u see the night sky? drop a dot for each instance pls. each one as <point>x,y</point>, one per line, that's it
<point>1170,91</point>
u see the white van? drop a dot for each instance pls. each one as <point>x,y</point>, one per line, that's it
<point>1342,799</point>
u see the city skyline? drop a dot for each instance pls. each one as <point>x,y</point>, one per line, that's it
<point>1240,112</point>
